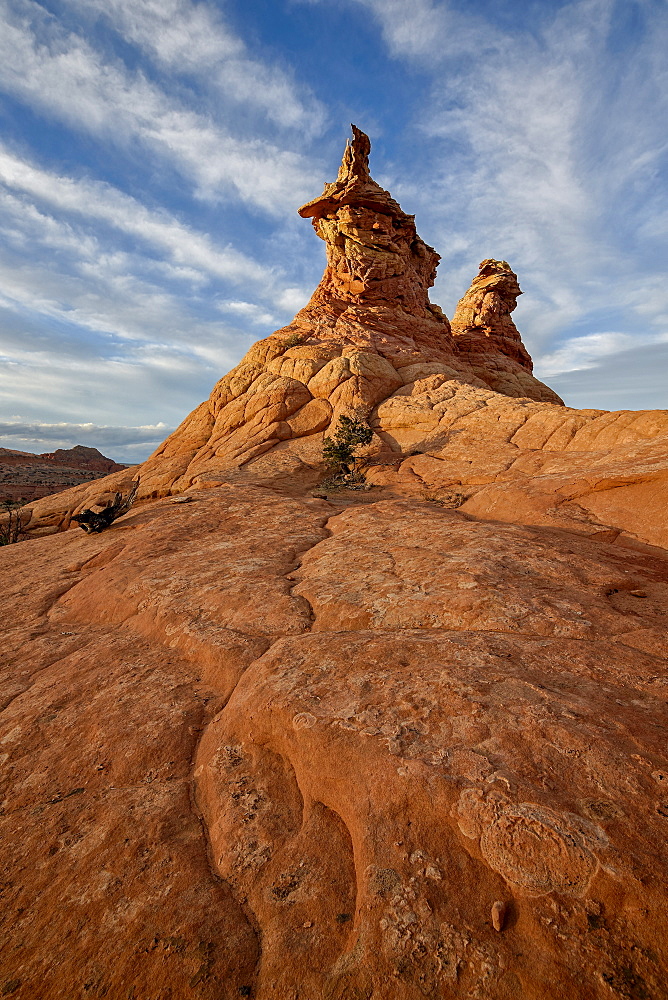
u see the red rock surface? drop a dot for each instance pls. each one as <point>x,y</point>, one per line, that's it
<point>483,315</point>
<point>398,743</point>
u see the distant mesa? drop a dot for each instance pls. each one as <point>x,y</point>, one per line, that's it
<point>26,476</point>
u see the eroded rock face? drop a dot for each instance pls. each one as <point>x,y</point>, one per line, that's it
<point>368,331</point>
<point>268,746</point>
<point>484,333</point>
<point>483,315</point>
<point>374,254</point>
<point>401,743</point>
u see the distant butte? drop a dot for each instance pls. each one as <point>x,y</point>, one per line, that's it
<point>28,477</point>
<point>403,742</point>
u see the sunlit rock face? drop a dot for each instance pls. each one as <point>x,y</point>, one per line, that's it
<point>484,330</point>
<point>270,742</point>
<point>482,320</point>
<point>374,254</point>
<point>369,343</point>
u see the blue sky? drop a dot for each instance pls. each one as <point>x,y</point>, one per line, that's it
<point>153,154</point>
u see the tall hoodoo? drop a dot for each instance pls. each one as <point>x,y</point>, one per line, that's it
<point>374,254</point>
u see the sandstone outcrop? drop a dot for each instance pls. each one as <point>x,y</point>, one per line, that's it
<point>407,742</point>
<point>368,335</point>
<point>486,334</point>
<point>267,746</point>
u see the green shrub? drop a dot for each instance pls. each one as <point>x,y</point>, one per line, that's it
<point>449,498</point>
<point>293,340</point>
<point>338,452</point>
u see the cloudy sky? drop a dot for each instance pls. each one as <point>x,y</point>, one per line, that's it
<point>153,154</point>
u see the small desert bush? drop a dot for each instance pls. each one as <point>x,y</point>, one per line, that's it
<point>293,340</point>
<point>445,498</point>
<point>338,452</point>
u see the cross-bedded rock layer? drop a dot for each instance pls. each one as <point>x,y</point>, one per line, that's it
<point>276,747</point>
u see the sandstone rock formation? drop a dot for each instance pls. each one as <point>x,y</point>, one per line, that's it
<point>485,332</point>
<point>368,336</point>
<point>403,743</point>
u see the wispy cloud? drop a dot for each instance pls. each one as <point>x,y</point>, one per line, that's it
<point>634,378</point>
<point>43,437</point>
<point>248,310</point>
<point>63,258</point>
<point>156,155</point>
<point>586,352</point>
<point>546,148</point>
<point>83,432</point>
<point>432,31</point>
<point>60,73</point>
<point>192,39</point>
<point>98,201</point>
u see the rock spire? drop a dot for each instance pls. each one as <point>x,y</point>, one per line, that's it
<point>374,254</point>
<point>368,344</point>
<point>482,319</point>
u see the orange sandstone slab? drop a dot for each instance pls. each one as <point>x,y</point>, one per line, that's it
<point>422,714</point>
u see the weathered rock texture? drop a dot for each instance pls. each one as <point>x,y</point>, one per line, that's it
<point>264,746</point>
<point>404,743</point>
<point>368,336</point>
<point>483,315</point>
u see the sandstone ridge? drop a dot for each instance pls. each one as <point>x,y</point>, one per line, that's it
<point>397,743</point>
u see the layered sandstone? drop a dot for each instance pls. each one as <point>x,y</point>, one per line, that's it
<point>408,742</point>
<point>486,335</point>
<point>276,747</point>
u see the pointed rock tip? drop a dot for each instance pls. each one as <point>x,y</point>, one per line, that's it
<point>355,162</point>
<point>492,266</point>
<point>353,178</point>
<point>491,269</point>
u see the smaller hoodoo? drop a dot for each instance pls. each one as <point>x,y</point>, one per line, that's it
<point>482,327</point>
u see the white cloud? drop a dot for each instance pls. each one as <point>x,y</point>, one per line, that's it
<point>291,300</point>
<point>64,431</point>
<point>545,149</point>
<point>70,270</point>
<point>95,200</point>
<point>248,310</point>
<point>104,296</point>
<point>88,381</point>
<point>587,351</point>
<point>191,38</point>
<point>128,444</point>
<point>633,378</point>
<point>428,31</point>
<point>60,74</point>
